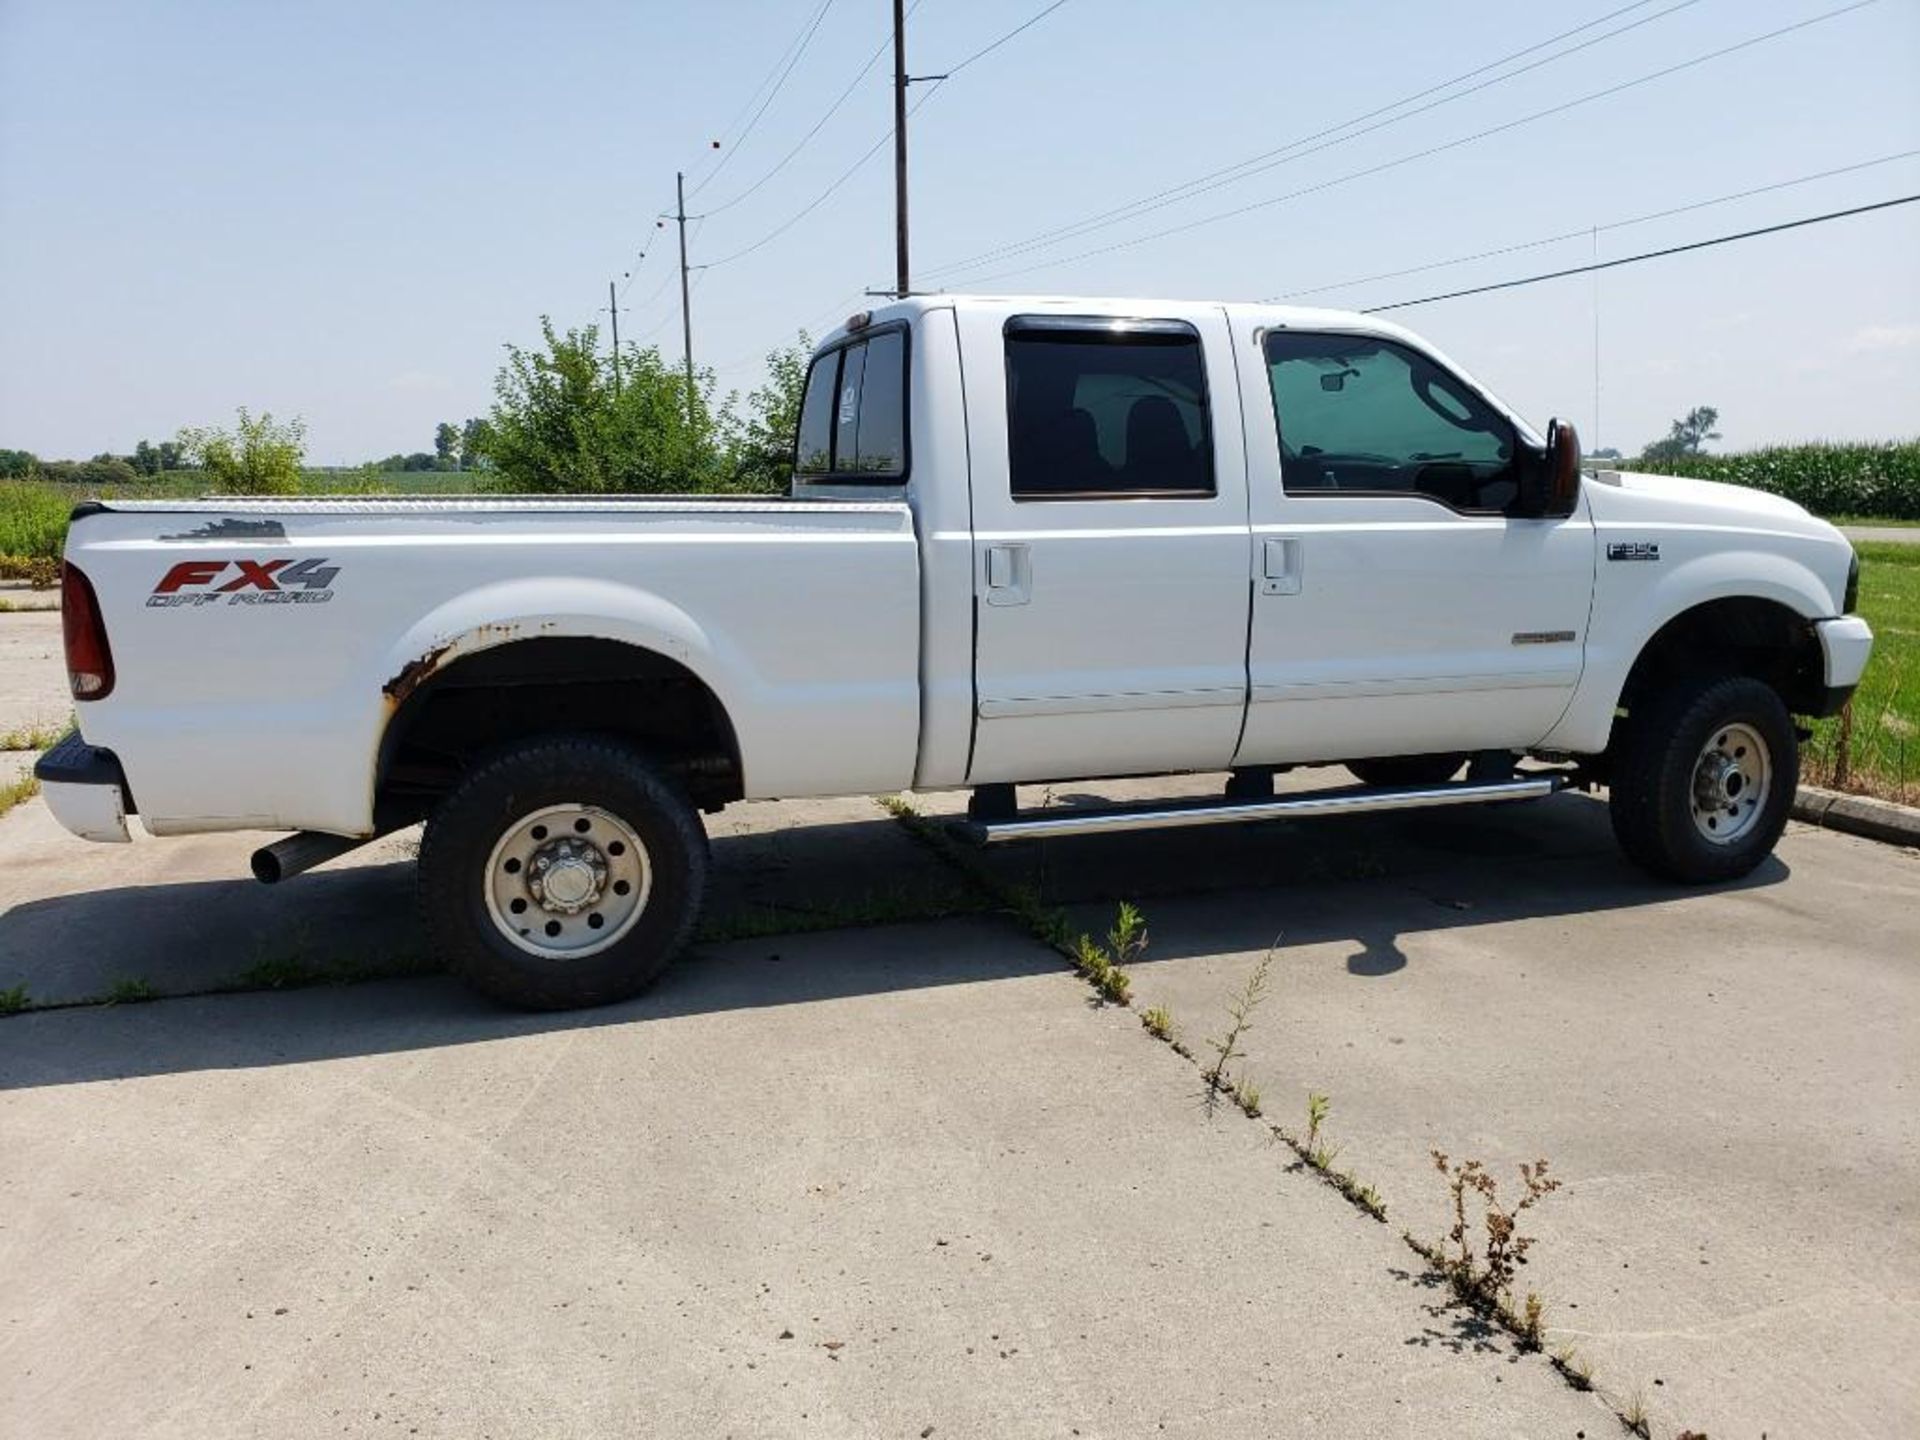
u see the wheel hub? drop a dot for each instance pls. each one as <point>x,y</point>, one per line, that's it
<point>567,876</point>
<point>1731,781</point>
<point>567,881</point>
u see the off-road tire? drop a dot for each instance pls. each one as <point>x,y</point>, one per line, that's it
<point>1402,771</point>
<point>1655,754</point>
<point>490,801</point>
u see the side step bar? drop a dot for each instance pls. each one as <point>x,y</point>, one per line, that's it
<point>1170,814</point>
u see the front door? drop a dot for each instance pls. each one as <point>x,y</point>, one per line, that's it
<point>1398,608</point>
<point>1110,543</point>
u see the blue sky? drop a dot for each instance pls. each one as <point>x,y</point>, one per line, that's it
<point>341,210</point>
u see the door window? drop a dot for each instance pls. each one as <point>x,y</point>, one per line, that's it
<point>1360,415</point>
<point>1105,410</point>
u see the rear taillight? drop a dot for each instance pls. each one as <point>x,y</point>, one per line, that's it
<point>89,660</point>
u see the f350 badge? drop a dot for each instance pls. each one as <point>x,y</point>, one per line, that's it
<point>1633,550</point>
<point>194,583</point>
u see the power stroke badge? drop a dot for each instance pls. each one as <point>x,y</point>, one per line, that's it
<point>195,583</point>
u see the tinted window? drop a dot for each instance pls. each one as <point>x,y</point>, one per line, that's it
<point>853,419</point>
<point>846,409</point>
<point>1094,410</point>
<point>1365,415</point>
<point>814,453</point>
<point>881,447</point>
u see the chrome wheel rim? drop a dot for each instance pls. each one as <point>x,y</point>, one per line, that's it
<point>567,881</point>
<point>1731,782</point>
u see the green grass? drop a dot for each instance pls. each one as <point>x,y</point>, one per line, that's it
<point>1884,745</point>
<point>13,793</point>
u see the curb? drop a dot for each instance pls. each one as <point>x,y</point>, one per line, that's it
<point>1858,815</point>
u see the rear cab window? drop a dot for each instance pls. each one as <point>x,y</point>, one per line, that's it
<point>853,416</point>
<point>1105,409</point>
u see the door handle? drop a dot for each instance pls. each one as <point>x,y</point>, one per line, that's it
<point>1283,565</point>
<point>1009,575</point>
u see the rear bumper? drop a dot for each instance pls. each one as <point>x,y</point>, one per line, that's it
<point>86,789</point>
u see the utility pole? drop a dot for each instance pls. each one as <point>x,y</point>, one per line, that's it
<point>613,309</point>
<point>686,314</point>
<point>900,147</point>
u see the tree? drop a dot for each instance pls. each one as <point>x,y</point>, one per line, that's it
<point>473,444</point>
<point>760,447</point>
<point>446,444</point>
<point>17,464</point>
<point>105,471</point>
<point>1686,435</point>
<point>559,425</point>
<point>259,457</point>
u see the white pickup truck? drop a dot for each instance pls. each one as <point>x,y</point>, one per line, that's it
<point>1028,540</point>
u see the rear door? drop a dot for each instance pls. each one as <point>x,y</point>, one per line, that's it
<point>1110,542</point>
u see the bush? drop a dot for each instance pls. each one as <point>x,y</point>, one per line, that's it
<point>260,457</point>
<point>1867,480</point>
<point>33,525</point>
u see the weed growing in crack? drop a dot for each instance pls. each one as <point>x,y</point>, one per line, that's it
<point>131,991</point>
<point>1574,1367</point>
<point>14,1000</point>
<point>1103,971</point>
<point>1317,1155</point>
<point>1240,1010</point>
<point>1634,1416</point>
<point>1486,1279</point>
<point>1158,1021</point>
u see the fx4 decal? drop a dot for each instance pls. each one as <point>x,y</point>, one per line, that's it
<point>194,583</point>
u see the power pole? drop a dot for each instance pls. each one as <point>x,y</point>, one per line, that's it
<point>686,314</point>
<point>613,308</point>
<point>900,147</point>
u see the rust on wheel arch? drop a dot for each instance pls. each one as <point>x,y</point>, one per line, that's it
<point>413,674</point>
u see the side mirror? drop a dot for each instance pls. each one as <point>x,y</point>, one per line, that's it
<point>1552,487</point>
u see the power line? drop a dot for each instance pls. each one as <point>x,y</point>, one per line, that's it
<point>1586,230</point>
<point>986,50</point>
<point>791,57</point>
<point>818,125</point>
<point>1265,160</point>
<point>826,194</point>
<point>1646,255</point>
<point>1433,150</point>
<point>883,142</point>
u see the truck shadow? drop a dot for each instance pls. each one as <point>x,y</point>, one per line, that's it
<point>1368,881</point>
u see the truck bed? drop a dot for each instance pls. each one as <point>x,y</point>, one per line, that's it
<point>262,645</point>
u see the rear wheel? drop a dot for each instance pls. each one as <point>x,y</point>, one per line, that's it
<point>1703,778</point>
<point>561,873</point>
<point>1400,771</point>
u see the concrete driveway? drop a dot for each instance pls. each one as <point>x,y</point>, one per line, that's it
<point>885,1177</point>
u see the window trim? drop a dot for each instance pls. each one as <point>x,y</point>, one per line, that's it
<point>834,352</point>
<point>1110,329</point>
<point>1520,446</point>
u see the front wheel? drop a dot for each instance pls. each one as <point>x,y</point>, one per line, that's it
<point>1703,778</point>
<point>560,873</point>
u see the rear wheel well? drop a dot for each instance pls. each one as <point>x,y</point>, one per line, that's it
<point>1742,636</point>
<point>450,716</point>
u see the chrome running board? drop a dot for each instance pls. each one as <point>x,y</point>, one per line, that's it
<point>1168,815</point>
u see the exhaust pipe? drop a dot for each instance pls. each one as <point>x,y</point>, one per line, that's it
<point>301,851</point>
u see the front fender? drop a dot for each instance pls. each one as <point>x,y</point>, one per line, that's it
<point>1631,606</point>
